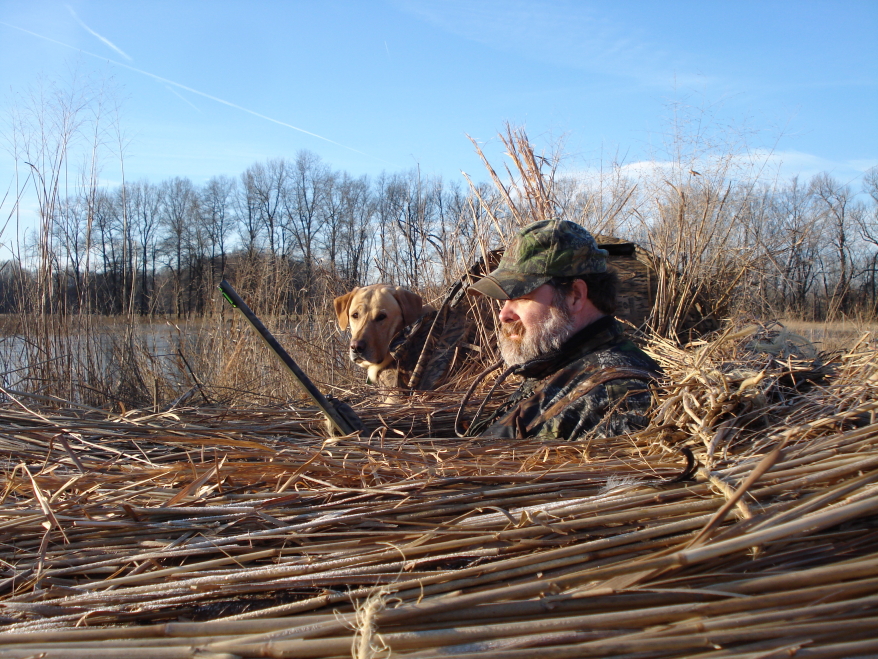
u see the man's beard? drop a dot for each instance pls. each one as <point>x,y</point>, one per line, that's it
<point>547,336</point>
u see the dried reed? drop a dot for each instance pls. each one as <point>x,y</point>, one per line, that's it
<point>230,532</point>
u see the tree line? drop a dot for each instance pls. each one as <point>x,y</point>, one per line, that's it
<point>289,229</point>
<point>296,230</point>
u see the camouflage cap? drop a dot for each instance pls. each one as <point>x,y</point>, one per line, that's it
<point>540,251</point>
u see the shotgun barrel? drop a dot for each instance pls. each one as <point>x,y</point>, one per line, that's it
<point>342,424</point>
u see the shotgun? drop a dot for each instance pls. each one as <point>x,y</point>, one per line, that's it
<point>344,425</point>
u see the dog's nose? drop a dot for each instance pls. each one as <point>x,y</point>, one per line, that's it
<point>358,346</point>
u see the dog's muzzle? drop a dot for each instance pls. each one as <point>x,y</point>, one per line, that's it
<point>357,352</point>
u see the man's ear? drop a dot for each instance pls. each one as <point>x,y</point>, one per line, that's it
<point>578,296</point>
<point>410,303</point>
<point>342,304</point>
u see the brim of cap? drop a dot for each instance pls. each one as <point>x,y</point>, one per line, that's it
<point>505,285</point>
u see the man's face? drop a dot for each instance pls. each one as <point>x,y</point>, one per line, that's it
<point>533,325</point>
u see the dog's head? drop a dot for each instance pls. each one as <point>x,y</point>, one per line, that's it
<point>376,314</point>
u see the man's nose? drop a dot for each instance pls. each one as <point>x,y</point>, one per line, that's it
<point>507,313</point>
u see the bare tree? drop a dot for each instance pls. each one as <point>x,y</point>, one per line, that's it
<point>247,209</point>
<point>179,215</point>
<point>219,220</point>
<point>406,212</point>
<point>866,217</point>
<point>71,228</point>
<point>145,202</point>
<point>833,201</point>
<point>109,240</point>
<point>305,210</point>
<point>347,231</point>
<point>796,247</point>
<point>265,185</point>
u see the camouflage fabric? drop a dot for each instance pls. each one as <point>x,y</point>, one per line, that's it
<point>405,349</point>
<point>423,355</point>
<point>597,385</point>
<point>427,350</point>
<point>540,251</point>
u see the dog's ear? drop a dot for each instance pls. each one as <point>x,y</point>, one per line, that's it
<point>342,304</point>
<point>411,304</point>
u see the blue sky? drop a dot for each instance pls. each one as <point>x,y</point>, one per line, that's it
<point>208,88</point>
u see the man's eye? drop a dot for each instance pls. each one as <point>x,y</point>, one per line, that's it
<point>355,315</point>
<point>381,316</point>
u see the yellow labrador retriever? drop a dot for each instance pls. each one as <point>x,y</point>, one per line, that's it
<point>376,315</point>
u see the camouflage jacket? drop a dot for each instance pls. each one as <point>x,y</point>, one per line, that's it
<point>597,384</point>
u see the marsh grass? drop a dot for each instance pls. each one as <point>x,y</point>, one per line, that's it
<point>155,362</point>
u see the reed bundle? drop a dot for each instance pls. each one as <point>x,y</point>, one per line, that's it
<point>743,522</point>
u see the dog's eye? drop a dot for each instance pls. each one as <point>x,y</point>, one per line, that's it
<point>381,316</point>
<point>355,315</point>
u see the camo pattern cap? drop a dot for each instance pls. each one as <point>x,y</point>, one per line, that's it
<point>540,251</point>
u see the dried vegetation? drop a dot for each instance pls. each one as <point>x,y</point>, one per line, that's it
<point>223,532</point>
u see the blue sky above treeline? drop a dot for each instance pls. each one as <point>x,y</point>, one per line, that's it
<point>208,88</point>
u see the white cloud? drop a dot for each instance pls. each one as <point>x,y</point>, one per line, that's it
<point>806,165</point>
<point>761,164</point>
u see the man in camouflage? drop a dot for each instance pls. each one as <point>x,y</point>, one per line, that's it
<point>582,377</point>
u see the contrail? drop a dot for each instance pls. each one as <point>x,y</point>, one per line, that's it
<point>106,41</point>
<point>183,98</point>
<point>189,89</point>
